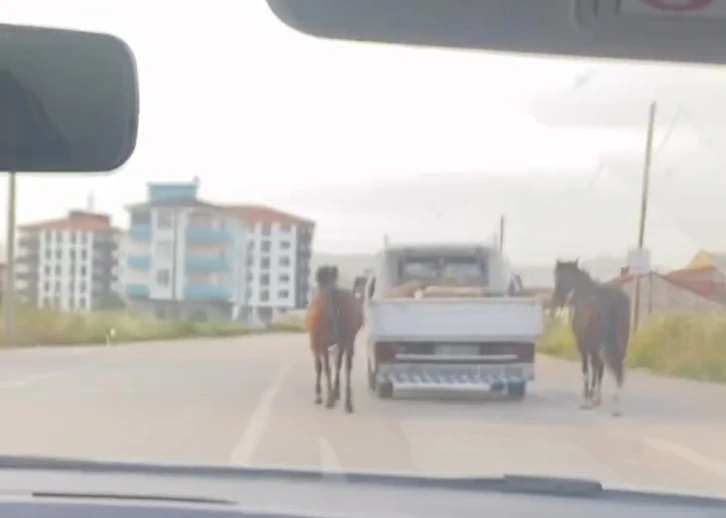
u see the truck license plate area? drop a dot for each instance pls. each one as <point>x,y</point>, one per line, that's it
<point>456,350</point>
<point>403,375</point>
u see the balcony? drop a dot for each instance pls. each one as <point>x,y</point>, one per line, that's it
<point>206,264</point>
<point>137,291</point>
<point>206,292</point>
<point>207,235</point>
<point>139,263</point>
<point>140,232</point>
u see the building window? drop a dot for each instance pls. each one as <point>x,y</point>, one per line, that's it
<point>285,245</point>
<point>140,217</point>
<point>265,246</point>
<point>265,263</point>
<point>283,294</point>
<point>165,219</point>
<point>283,278</point>
<point>285,228</point>
<point>265,279</point>
<point>284,261</point>
<point>264,296</point>
<point>163,277</point>
<point>266,229</point>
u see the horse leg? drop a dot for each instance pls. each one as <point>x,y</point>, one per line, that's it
<point>348,371</point>
<point>338,362</point>
<point>330,403</point>
<point>585,403</point>
<point>598,368</point>
<point>619,374</point>
<point>318,375</point>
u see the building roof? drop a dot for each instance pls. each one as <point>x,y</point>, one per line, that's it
<point>704,259</point>
<point>84,221</point>
<point>179,202</point>
<point>263,214</point>
<point>689,279</point>
<point>249,213</point>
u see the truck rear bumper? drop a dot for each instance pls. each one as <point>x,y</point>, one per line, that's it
<point>461,376</point>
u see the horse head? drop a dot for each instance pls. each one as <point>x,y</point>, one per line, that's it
<point>568,275</point>
<point>326,276</point>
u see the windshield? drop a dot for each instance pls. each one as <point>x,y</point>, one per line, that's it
<point>176,332</point>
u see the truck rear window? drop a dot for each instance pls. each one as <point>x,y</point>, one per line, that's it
<point>462,270</point>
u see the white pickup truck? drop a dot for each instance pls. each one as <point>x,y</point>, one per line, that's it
<point>448,317</point>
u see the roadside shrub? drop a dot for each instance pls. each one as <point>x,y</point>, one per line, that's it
<point>688,344</point>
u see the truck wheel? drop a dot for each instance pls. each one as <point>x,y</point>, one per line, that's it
<point>371,378</point>
<point>384,390</point>
<point>517,391</point>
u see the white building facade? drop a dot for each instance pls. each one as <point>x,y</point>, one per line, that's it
<point>189,259</point>
<point>69,264</point>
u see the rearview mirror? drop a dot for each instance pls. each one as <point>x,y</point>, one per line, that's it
<point>69,100</point>
<point>653,30</point>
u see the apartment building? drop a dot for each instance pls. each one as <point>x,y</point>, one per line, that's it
<point>69,263</point>
<point>186,258</point>
<point>278,260</point>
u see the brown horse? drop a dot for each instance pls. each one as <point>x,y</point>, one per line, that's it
<point>601,325</point>
<point>334,318</point>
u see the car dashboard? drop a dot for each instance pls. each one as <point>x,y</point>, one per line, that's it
<point>80,489</point>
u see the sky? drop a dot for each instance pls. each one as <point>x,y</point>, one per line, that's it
<point>419,144</point>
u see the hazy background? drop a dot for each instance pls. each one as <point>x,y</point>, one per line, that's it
<point>419,144</point>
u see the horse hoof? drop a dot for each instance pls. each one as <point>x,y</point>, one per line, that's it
<point>318,400</point>
<point>349,408</point>
<point>585,405</point>
<point>330,404</point>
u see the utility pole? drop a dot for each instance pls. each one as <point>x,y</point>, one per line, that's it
<point>501,234</point>
<point>9,299</point>
<point>645,191</point>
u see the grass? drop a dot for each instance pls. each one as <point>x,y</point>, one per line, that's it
<point>686,345</point>
<point>46,327</point>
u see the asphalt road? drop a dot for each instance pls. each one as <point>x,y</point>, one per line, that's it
<point>250,401</point>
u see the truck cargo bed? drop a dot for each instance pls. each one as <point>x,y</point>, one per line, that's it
<point>455,320</point>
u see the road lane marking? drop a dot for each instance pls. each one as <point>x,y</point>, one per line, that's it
<point>330,465</point>
<point>686,454</point>
<point>260,416</point>
<point>24,382</point>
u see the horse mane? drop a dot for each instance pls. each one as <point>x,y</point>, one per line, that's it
<point>574,267</point>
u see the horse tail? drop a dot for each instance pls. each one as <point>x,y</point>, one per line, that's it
<point>356,309</point>
<point>616,346</point>
<point>314,315</point>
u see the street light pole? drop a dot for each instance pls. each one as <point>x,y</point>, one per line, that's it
<point>9,299</point>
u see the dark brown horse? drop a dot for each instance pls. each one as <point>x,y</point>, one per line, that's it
<point>601,325</point>
<point>334,318</point>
